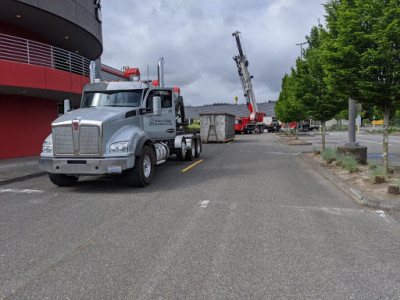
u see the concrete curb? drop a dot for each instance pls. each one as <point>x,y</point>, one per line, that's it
<point>355,194</point>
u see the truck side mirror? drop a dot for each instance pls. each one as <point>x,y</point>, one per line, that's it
<point>67,106</point>
<point>157,105</point>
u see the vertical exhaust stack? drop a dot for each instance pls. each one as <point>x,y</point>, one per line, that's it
<point>161,71</point>
<point>92,70</point>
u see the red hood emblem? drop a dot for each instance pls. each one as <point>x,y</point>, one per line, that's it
<point>75,124</point>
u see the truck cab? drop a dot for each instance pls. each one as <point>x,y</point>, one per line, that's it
<point>121,128</point>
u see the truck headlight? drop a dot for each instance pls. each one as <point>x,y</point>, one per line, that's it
<point>47,147</point>
<point>120,147</point>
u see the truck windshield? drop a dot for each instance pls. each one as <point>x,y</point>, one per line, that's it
<point>130,98</point>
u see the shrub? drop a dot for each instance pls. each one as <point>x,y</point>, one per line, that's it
<point>394,189</point>
<point>350,163</point>
<point>330,159</point>
<point>329,152</point>
<point>366,122</point>
<point>339,163</point>
<point>378,175</point>
<point>337,128</point>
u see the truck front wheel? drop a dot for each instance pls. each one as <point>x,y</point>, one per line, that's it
<point>142,173</point>
<point>62,180</point>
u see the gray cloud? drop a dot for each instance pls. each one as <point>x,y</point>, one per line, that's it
<point>195,39</point>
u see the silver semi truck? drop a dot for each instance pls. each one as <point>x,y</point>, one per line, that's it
<point>121,128</point>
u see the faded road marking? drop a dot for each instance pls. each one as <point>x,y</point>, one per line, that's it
<point>20,191</point>
<point>204,203</point>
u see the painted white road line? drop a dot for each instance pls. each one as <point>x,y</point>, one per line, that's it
<point>336,141</point>
<point>366,141</point>
<point>381,213</point>
<point>330,210</point>
<point>204,203</point>
<point>278,153</point>
<point>21,191</point>
<point>386,217</point>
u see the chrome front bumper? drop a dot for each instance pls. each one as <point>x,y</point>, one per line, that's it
<point>86,166</point>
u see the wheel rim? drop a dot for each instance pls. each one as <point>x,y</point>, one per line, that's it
<point>183,149</point>
<point>146,166</point>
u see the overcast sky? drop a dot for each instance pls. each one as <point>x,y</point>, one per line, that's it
<point>195,38</point>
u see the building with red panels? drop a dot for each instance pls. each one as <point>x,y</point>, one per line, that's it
<point>45,51</point>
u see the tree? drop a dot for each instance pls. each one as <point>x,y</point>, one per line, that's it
<point>362,55</point>
<point>288,108</point>
<point>343,115</point>
<point>310,85</point>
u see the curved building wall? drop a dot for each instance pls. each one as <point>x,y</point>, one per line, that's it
<point>45,49</point>
<point>73,25</point>
<point>24,124</point>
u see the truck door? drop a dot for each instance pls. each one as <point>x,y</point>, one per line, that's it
<point>163,126</point>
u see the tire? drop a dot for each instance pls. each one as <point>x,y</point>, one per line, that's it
<point>181,152</point>
<point>191,153</point>
<point>142,174</point>
<point>63,180</point>
<point>198,148</point>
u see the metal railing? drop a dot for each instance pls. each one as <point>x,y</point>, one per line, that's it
<point>16,49</point>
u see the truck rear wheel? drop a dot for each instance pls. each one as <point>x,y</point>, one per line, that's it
<point>191,153</point>
<point>63,180</point>
<point>198,148</point>
<point>142,174</point>
<point>181,152</point>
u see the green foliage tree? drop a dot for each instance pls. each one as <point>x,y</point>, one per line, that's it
<point>310,85</point>
<point>288,108</point>
<point>343,115</point>
<point>361,55</point>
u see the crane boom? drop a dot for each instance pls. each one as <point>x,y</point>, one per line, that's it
<point>245,78</point>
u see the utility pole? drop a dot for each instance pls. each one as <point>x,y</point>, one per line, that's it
<point>301,49</point>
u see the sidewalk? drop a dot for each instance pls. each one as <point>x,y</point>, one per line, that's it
<point>18,169</point>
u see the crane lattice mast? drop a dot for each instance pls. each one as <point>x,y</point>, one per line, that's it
<point>245,78</point>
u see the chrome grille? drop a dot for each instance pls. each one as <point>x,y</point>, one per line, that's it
<point>89,139</point>
<point>63,140</point>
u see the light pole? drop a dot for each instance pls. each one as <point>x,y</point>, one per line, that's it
<point>301,49</point>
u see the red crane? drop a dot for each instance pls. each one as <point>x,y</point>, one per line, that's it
<point>254,121</point>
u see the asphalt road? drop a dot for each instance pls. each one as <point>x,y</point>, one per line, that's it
<point>251,221</point>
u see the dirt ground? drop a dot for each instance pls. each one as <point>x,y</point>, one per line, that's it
<point>360,180</point>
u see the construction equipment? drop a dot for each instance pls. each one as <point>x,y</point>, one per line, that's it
<point>254,121</point>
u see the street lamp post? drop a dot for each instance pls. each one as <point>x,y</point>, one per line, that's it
<point>301,49</point>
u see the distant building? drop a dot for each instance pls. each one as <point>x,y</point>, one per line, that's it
<point>45,52</point>
<point>239,110</point>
